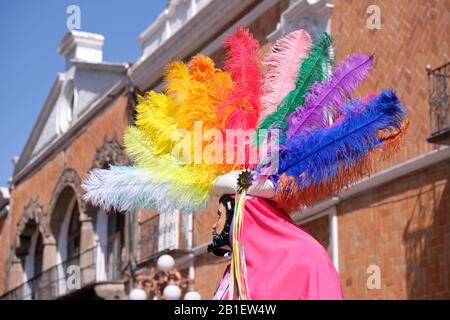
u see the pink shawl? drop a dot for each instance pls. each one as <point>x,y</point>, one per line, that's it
<point>283,261</point>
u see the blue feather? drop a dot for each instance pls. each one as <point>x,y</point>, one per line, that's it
<point>317,157</point>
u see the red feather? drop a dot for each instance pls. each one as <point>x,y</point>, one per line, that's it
<point>241,109</point>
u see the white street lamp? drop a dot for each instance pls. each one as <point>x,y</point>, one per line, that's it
<point>165,263</point>
<point>192,295</point>
<point>172,292</point>
<point>164,282</point>
<point>138,294</point>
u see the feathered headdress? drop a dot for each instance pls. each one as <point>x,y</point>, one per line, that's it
<point>325,138</point>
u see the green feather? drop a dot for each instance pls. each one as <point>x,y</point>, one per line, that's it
<point>315,68</point>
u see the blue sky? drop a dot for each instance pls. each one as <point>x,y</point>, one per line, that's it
<point>30,32</point>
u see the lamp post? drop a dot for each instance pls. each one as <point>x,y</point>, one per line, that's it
<point>164,282</point>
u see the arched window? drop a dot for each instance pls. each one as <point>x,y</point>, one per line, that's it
<point>30,241</point>
<point>38,255</point>
<point>74,233</point>
<point>31,253</point>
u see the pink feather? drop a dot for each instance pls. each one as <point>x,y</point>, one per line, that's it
<point>283,63</point>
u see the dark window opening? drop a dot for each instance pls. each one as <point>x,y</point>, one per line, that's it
<point>74,235</point>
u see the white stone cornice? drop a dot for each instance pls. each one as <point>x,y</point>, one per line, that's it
<point>311,15</point>
<point>74,37</point>
<point>82,46</point>
<point>4,201</point>
<point>207,22</point>
<point>158,25</point>
<point>103,66</point>
<point>191,33</point>
<point>174,17</point>
<point>245,21</point>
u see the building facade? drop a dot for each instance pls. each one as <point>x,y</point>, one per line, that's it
<point>388,235</point>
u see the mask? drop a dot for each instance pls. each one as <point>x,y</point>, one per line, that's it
<point>222,239</point>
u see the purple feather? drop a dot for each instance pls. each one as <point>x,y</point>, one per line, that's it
<point>318,157</point>
<point>324,101</point>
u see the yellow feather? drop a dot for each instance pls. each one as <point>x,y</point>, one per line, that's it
<point>139,148</point>
<point>154,117</point>
<point>193,93</point>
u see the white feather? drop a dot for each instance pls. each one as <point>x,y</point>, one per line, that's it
<point>132,189</point>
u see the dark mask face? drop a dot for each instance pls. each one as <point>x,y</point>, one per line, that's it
<point>221,240</point>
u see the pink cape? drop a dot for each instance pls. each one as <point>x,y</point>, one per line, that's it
<point>283,261</point>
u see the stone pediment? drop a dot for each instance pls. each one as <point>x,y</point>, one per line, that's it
<point>80,88</point>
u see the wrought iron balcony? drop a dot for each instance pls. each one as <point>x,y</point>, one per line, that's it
<point>438,92</point>
<point>148,238</point>
<point>64,279</point>
<point>159,235</point>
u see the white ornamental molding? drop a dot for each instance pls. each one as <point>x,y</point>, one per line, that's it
<point>311,15</point>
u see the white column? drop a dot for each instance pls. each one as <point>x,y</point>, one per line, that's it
<point>102,244</point>
<point>168,230</point>
<point>334,237</point>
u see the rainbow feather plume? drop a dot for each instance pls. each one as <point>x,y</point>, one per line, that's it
<point>328,140</point>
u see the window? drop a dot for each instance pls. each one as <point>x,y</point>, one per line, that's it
<point>38,255</point>
<point>116,244</point>
<point>74,234</point>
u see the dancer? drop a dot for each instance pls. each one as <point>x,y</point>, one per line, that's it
<point>264,150</point>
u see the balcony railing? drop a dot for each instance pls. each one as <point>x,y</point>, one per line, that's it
<point>73,274</point>
<point>438,92</point>
<point>148,239</point>
<point>159,235</point>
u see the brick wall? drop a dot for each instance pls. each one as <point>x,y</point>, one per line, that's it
<point>319,229</point>
<point>3,242</point>
<point>208,274</point>
<point>413,34</point>
<point>404,228</point>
